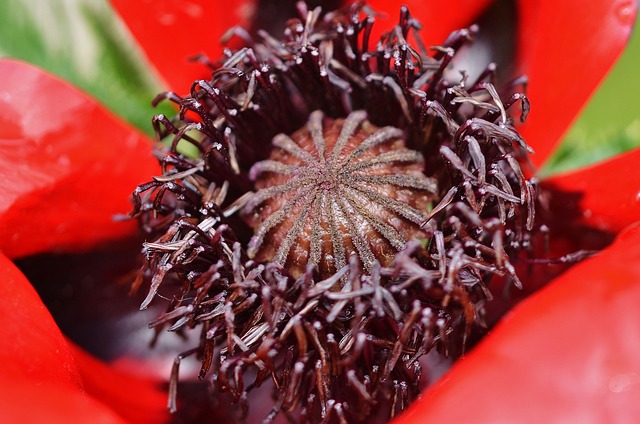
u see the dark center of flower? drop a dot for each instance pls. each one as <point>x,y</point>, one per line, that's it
<point>336,189</point>
<point>339,156</point>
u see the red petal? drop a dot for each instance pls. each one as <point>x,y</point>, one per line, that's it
<point>136,399</point>
<point>570,353</point>
<point>67,165</point>
<point>33,348</point>
<point>22,402</point>
<point>608,193</point>
<point>566,48</point>
<point>172,31</point>
<point>438,18</point>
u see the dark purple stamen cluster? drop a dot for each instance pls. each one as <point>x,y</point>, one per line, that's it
<point>335,341</point>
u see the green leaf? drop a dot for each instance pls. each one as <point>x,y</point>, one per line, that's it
<point>610,124</point>
<point>85,43</point>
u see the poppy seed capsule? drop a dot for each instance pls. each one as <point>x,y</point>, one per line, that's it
<point>334,189</point>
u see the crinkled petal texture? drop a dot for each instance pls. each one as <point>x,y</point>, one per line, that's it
<point>566,48</point>
<point>567,354</point>
<point>171,32</point>
<point>67,165</point>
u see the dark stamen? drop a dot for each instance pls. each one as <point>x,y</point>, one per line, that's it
<point>379,199</point>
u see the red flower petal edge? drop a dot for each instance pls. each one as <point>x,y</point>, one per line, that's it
<point>566,48</point>
<point>67,165</point>
<point>567,354</point>
<point>33,347</point>
<point>22,402</point>
<point>42,374</point>
<point>609,193</point>
<point>137,399</point>
<point>172,31</point>
<point>438,18</point>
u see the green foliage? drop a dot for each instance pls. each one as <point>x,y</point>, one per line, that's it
<point>85,43</point>
<point>610,124</point>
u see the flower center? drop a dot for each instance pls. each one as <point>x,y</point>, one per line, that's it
<point>337,189</point>
<point>331,299</point>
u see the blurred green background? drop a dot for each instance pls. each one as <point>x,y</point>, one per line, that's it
<point>610,124</point>
<point>90,47</point>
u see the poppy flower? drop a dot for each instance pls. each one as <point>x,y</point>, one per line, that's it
<point>60,194</point>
